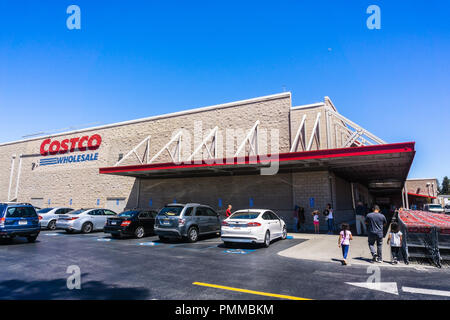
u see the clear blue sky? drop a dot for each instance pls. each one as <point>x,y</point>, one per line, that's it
<point>135,59</point>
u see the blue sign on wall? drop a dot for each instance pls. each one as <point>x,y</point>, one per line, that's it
<point>150,202</point>
<point>220,203</point>
<point>311,202</point>
<point>49,201</point>
<point>174,200</point>
<point>98,201</point>
<point>70,202</point>
<point>250,202</point>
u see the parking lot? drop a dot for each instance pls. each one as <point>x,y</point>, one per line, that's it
<point>149,269</point>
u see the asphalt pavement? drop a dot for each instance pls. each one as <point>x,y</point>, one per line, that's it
<point>150,269</point>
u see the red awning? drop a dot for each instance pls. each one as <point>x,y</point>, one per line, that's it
<point>420,195</point>
<point>375,163</point>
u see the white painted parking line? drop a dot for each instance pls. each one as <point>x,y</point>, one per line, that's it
<point>151,244</point>
<point>427,291</point>
<point>389,287</point>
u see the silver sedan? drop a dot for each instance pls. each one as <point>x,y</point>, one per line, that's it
<point>49,216</point>
<point>84,220</point>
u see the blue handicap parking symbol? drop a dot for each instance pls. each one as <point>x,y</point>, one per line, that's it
<point>239,251</point>
<point>151,243</point>
<point>104,239</point>
<point>52,234</point>
<point>289,237</point>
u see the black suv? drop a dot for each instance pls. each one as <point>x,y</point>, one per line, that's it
<point>133,222</point>
<point>19,219</point>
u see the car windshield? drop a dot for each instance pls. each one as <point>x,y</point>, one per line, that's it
<point>77,211</point>
<point>45,210</point>
<point>127,214</point>
<point>245,215</point>
<point>171,211</point>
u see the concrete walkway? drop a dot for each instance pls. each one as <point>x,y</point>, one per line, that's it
<point>323,247</point>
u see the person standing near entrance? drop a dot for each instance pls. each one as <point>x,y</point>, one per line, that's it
<point>301,218</point>
<point>228,212</point>
<point>360,215</point>
<point>328,213</point>
<point>376,222</point>
<point>296,218</point>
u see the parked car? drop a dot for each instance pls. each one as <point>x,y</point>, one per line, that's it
<point>48,216</point>
<point>253,226</point>
<point>84,220</point>
<point>137,223</point>
<point>19,219</point>
<point>447,208</point>
<point>433,207</point>
<point>187,221</point>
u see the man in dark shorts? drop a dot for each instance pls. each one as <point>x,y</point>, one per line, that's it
<point>375,222</point>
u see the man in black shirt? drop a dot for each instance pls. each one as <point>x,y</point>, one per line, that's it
<point>375,222</point>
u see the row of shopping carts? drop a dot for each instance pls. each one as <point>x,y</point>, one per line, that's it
<point>425,235</point>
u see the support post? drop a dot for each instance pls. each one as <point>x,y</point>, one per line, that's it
<point>13,159</point>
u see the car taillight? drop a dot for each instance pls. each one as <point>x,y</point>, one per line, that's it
<point>72,218</point>
<point>181,222</point>
<point>125,223</point>
<point>2,221</point>
<point>224,223</point>
<point>253,224</point>
<point>40,217</point>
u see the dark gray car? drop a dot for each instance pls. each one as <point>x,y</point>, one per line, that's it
<point>188,221</point>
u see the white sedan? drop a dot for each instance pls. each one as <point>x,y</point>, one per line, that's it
<point>253,226</point>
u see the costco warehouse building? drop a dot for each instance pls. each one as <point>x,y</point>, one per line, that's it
<point>321,157</point>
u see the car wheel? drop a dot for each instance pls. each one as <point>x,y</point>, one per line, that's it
<point>32,239</point>
<point>51,225</point>
<point>139,232</point>
<point>267,239</point>
<point>227,244</point>
<point>192,234</point>
<point>284,233</point>
<point>87,227</point>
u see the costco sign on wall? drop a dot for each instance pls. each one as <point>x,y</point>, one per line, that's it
<point>59,148</point>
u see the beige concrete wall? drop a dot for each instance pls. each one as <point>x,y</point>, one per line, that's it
<point>308,185</point>
<point>81,181</point>
<point>419,186</point>
<point>267,192</point>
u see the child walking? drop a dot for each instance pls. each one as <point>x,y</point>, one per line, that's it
<point>395,240</point>
<point>344,241</point>
<point>316,220</point>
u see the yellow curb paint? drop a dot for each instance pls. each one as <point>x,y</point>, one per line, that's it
<point>281,296</point>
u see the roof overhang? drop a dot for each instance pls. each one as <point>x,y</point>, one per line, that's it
<point>375,164</point>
